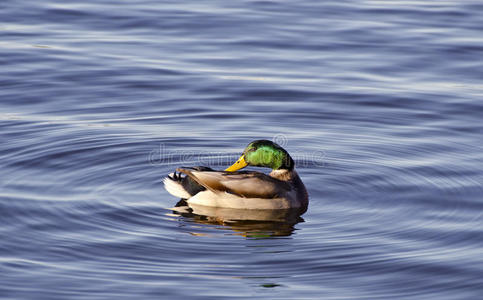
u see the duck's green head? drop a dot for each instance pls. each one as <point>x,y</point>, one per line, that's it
<point>263,153</point>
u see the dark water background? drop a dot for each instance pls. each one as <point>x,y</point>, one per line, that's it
<point>379,102</point>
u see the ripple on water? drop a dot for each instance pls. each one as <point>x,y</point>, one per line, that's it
<point>381,113</point>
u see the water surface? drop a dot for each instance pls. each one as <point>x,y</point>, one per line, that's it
<point>379,104</point>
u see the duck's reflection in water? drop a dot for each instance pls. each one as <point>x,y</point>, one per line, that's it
<point>253,223</point>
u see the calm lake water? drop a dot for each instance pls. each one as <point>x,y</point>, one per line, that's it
<point>379,102</point>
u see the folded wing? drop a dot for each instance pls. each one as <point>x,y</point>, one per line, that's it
<point>244,184</point>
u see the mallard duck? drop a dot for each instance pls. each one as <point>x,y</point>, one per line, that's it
<point>281,189</point>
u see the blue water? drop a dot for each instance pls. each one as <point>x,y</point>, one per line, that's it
<point>379,103</point>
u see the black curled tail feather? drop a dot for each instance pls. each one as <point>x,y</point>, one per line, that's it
<point>190,185</point>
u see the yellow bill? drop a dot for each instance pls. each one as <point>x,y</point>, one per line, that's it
<point>239,164</point>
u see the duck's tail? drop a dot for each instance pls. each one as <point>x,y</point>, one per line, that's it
<point>183,186</point>
<point>173,184</point>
